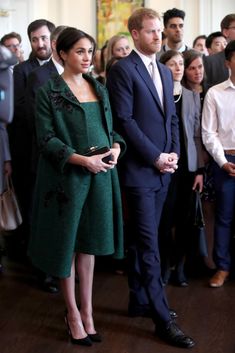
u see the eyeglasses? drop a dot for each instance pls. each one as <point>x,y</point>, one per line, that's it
<point>13,46</point>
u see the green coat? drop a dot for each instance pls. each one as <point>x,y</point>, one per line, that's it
<point>74,210</point>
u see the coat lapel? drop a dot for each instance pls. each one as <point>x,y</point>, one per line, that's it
<point>60,87</point>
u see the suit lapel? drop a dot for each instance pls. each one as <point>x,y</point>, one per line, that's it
<point>51,67</point>
<point>143,72</point>
<point>166,92</point>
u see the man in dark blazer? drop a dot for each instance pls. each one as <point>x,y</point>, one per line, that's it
<point>36,79</point>
<point>215,68</point>
<point>147,120</point>
<point>39,32</point>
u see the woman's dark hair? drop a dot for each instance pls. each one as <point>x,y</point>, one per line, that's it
<point>202,36</point>
<point>68,37</point>
<point>189,57</point>
<point>167,55</point>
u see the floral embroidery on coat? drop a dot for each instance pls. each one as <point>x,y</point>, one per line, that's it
<point>61,198</point>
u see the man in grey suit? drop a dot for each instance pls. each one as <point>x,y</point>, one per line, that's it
<point>216,71</point>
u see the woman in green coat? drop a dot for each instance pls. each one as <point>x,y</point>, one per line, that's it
<point>77,207</point>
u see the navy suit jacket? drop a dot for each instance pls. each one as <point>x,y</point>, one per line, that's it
<point>18,129</point>
<point>20,75</point>
<point>148,129</point>
<point>36,79</point>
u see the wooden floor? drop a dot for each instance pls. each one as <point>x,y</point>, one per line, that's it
<point>31,321</point>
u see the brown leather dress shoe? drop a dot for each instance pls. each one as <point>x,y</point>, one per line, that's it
<point>218,279</point>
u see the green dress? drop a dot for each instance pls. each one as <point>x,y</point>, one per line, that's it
<point>74,210</point>
<point>88,239</point>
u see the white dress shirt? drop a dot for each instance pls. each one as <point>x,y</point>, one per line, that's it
<point>218,120</point>
<point>58,66</point>
<point>180,50</point>
<point>42,62</point>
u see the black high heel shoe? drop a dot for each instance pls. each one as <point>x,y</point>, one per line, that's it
<point>95,337</point>
<point>86,341</point>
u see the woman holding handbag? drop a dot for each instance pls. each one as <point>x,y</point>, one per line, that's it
<point>77,207</point>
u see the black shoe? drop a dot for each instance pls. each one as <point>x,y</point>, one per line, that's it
<point>145,311</point>
<point>95,337</point>
<point>182,283</point>
<point>86,341</point>
<point>179,280</point>
<point>49,285</point>
<point>172,334</point>
<point>173,314</point>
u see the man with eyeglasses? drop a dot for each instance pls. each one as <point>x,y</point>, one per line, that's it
<point>216,71</point>
<point>20,137</point>
<point>13,42</point>
<point>173,21</point>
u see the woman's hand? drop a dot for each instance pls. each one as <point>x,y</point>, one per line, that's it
<point>115,150</point>
<point>198,182</point>
<point>95,164</point>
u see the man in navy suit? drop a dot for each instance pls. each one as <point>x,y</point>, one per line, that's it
<point>35,80</point>
<point>20,138</point>
<point>146,117</point>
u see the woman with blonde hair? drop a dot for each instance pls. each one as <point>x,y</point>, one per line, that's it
<point>118,46</point>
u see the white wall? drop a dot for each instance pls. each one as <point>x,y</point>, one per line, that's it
<point>202,16</point>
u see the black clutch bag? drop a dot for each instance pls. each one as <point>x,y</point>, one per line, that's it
<point>93,151</point>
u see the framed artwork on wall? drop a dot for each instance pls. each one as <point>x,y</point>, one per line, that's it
<point>112,16</point>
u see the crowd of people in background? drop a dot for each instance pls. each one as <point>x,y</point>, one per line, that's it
<point>165,114</point>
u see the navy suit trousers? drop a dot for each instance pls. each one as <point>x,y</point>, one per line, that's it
<point>225,211</point>
<point>144,269</point>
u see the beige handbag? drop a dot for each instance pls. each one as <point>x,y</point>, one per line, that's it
<point>10,216</point>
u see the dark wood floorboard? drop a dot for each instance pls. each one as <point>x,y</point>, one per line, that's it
<point>31,321</point>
